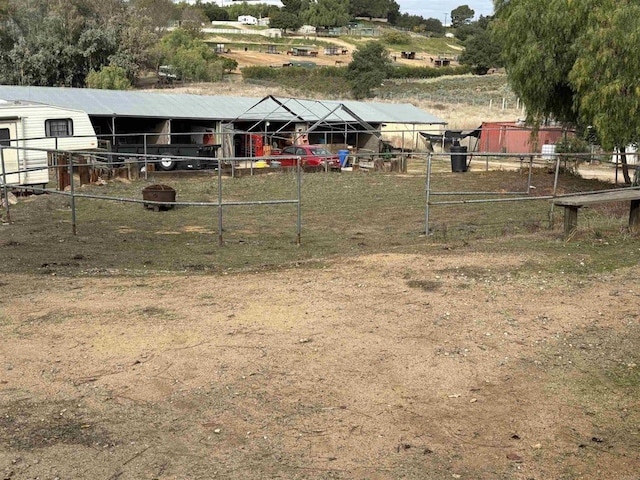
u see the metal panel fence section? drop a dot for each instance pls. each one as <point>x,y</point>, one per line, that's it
<point>72,166</point>
<point>524,160</point>
<point>513,196</point>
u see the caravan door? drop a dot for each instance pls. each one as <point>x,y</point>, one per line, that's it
<point>8,135</point>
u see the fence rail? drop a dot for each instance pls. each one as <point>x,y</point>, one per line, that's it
<point>525,161</point>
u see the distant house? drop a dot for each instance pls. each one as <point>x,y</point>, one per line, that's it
<point>247,20</point>
<point>307,30</point>
<point>374,19</point>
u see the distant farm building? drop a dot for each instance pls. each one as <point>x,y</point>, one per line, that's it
<point>247,20</point>
<point>441,61</point>
<point>512,137</point>
<point>303,51</point>
<point>121,117</point>
<point>307,30</point>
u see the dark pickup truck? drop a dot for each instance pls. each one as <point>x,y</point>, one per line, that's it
<point>164,155</point>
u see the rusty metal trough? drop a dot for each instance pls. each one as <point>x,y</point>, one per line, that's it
<point>159,193</point>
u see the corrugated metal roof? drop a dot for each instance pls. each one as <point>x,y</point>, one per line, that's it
<point>206,107</point>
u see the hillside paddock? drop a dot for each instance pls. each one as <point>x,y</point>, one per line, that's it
<point>491,349</point>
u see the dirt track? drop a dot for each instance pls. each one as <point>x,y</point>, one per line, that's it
<point>251,57</point>
<point>381,367</point>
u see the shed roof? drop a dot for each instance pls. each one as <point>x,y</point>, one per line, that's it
<point>117,103</point>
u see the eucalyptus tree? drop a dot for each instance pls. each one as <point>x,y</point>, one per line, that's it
<point>327,13</point>
<point>461,15</point>
<point>575,62</point>
<point>371,64</point>
<point>372,8</point>
<point>606,74</point>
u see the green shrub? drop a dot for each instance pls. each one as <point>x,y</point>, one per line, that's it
<point>403,71</point>
<point>576,150</point>
<point>109,78</point>
<point>326,80</point>
<point>394,37</point>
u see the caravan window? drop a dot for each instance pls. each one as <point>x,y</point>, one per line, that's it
<point>59,127</point>
<point>5,137</point>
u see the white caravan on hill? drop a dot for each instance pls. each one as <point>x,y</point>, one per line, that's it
<point>28,129</point>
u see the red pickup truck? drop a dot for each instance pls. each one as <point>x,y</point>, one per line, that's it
<point>313,157</point>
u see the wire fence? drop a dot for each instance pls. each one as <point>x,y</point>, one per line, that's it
<point>493,102</point>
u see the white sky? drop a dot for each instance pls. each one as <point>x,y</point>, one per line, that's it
<point>439,8</point>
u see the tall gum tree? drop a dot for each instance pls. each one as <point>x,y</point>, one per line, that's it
<point>606,75</point>
<point>576,62</point>
<point>370,66</point>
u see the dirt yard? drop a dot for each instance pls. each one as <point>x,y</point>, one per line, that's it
<point>448,365</point>
<point>252,57</point>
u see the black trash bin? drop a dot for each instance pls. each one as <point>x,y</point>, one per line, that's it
<point>458,158</point>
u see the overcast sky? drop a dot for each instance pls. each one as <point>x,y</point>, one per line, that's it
<point>438,8</point>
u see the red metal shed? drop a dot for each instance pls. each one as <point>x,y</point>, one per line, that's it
<point>512,137</point>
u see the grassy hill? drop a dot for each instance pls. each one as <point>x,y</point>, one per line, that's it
<point>462,100</point>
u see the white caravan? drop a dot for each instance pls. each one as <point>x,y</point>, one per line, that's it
<point>27,129</point>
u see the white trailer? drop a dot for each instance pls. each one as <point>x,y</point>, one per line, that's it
<point>28,129</point>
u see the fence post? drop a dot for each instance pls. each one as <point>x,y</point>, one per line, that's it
<point>402,154</point>
<point>299,221</point>
<point>428,195</point>
<point>4,185</point>
<point>74,228</point>
<point>55,162</point>
<point>220,241</point>
<point>146,163</point>
<point>555,190</point>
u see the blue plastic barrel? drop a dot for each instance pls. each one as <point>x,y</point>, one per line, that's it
<point>343,155</point>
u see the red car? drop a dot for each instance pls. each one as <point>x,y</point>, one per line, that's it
<point>313,157</point>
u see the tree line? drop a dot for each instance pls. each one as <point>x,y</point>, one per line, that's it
<point>109,43</point>
<point>324,13</point>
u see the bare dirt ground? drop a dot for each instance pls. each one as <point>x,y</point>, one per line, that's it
<point>439,366</point>
<point>251,57</point>
<point>449,364</point>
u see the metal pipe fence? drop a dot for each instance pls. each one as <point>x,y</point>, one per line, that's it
<point>513,196</point>
<point>233,165</point>
<point>72,166</point>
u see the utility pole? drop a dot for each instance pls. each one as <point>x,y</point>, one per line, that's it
<point>445,19</point>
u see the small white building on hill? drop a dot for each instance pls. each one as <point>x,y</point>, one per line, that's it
<point>247,20</point>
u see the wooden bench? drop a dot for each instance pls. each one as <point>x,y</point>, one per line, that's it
<point>572,204</point>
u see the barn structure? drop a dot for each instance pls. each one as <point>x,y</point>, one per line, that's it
<point>514,137</point>
<point>302,51</point>
<point>165,118</point>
